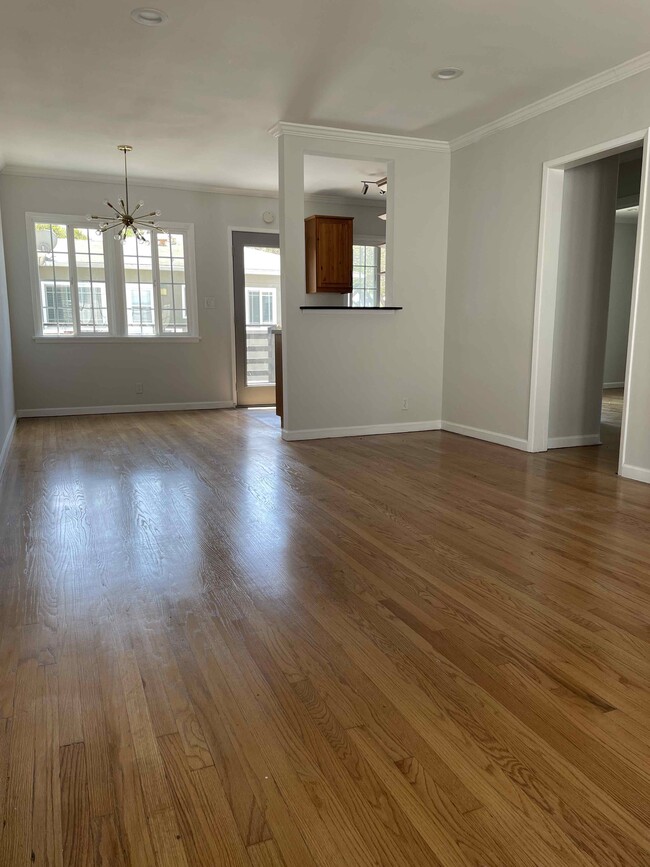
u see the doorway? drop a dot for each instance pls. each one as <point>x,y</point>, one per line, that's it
<point>620,297</point>
<point>257,309</point>
<point>580,200</point>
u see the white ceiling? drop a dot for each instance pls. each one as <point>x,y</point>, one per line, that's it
<point>334,176</point>
<point>197,96</point>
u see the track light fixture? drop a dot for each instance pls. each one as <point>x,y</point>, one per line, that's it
<point>381,184</point>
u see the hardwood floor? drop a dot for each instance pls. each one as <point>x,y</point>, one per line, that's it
<point>221,649</point>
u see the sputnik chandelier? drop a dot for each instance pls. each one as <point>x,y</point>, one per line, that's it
<point>127,222</point>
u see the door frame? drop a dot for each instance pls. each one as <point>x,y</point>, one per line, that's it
<point>548,254</point>
<point>231,296</point>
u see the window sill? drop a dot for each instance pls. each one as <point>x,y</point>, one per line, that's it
<point>180,338</point>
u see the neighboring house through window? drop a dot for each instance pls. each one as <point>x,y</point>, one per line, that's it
<point>260,306</point>
<point>57,307</point>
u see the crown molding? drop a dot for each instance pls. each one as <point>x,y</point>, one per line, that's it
<point>184,186</point>
<point>357,136</point>
<point>159,183</point>
<point>629,68</point>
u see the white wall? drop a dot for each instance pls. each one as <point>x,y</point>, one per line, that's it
<point>494,224</point>
<point>582,300</point>
<point>95,374</point>
<point>620,296</point>
<point>350,371</point>
<point>6,367</point>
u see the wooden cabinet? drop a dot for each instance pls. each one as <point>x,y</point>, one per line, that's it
<point>328,252</point>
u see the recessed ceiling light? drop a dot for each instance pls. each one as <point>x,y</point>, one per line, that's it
<point>447,73</point>
<point>149,17</point>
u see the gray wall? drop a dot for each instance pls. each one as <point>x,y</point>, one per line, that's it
<point>496,186</point>
<point>620,298</point>
<point>345,372</point>
<point>95,374</point>
<point>6,370</point>
<point>584,267</point>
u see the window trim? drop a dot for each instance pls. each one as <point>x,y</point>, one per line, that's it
<point>115,286</point>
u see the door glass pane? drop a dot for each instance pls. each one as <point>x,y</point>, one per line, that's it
<point>262,286</point>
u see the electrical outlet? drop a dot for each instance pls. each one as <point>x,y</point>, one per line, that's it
<point>210,302</point>
<point>139,388</point>
<point>405,404</point>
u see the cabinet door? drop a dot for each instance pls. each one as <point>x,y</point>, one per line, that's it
<point>335,255</point>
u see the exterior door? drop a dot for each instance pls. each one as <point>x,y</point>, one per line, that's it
<point>256,269</point>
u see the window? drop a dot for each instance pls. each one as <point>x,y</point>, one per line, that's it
<point>71,279</point>
<point>171,272</point>
<point>260,307</point>
<point>78,292</point>
<point>368,275</point>
<point>90,271</point>
<point>155,280</point>
<point>138,270</point>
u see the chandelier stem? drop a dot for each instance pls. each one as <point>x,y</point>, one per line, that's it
<point>126,183</point>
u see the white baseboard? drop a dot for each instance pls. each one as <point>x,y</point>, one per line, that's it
<point>4,451</point>
<point>135,407</point>
<point>639,474</point>
<point>487,435</point>
<point>613,384</point>
<point>573,441</point>
<point>359,431</point>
